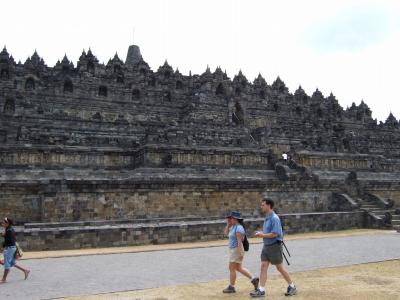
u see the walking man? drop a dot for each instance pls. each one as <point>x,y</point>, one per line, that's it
<point>272,236</point>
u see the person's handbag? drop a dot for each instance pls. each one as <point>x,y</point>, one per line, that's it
<point>18,252</point>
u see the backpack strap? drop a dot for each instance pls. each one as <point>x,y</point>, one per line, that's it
<point>236,226</point>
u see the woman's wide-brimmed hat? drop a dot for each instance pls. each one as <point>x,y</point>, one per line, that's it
<point>235,214</point>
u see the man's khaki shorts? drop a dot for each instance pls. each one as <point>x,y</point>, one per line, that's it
<point>234,255</point>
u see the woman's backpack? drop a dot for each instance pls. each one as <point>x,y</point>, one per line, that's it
<point>246,244</point>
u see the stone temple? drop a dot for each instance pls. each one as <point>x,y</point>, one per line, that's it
<point>116,154</point>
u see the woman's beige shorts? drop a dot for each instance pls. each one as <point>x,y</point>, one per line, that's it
<point>234,256</point>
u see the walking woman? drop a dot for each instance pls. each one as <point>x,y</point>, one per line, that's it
<point>235,231</point>
<point>9,250</point>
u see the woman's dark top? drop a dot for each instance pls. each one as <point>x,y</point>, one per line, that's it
<point>9,238</point>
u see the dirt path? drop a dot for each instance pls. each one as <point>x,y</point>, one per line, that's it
<point>358,282</point>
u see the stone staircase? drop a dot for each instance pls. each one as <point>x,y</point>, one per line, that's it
<point>381,212</point>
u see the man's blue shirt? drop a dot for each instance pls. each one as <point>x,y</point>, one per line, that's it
<point>272,223</point>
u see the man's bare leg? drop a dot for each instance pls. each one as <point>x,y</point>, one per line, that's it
<point>260,291</point>
<point>292,290</point>
<point>263,273</point>
<point>284,273</point>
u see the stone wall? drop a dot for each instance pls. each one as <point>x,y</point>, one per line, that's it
<point>174,156</point>
<point>341,161</point>
<point>77,237</point>
<point>147,204</point>
<point>47,156</point>
<point>62,201</point>
<point>21,204</point>
<point>20,156</point>
<point>55,157</point>
<point>334,162</point>
<point>308,200</point>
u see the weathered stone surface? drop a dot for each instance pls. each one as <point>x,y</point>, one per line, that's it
<point>151,193</point>
<point>119,141</point>
<point>90,236</point>
<point>128,105</point>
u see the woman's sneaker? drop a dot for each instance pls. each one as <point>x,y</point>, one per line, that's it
<point>229,290</point>
<point>255,282</point>
<point>257,294</point>
<point>291,291</point>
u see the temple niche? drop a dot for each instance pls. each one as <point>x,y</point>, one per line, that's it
<point>97,117</point>
<point>68,86</point>
<point>179,85</point>
<point>167,96</point>
<point>7,65</point>
<point>151,82</point>
<point>30,84</point>
<point>238,114</point>
<point>9,107</point>
<point>261,94</point>
<point>136,95</point>
<point>90,67</point>
<point>103,91</point>
<point>238,91</point>
<point>4,74</point>
<point>220,90</point>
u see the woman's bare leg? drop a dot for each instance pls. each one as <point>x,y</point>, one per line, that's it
<point>26,271</point>
<point>5,274</point>
<point>244,271</point>
<point>232,273</point>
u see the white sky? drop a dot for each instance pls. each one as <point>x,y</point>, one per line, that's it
<point>351,48</point>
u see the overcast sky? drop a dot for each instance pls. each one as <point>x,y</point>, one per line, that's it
<point>350,48</point>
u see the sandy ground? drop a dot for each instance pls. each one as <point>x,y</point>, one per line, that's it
<point>372,281</point>
<point>148,248</point>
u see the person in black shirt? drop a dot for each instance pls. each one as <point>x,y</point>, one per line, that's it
<point>9,247</point>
